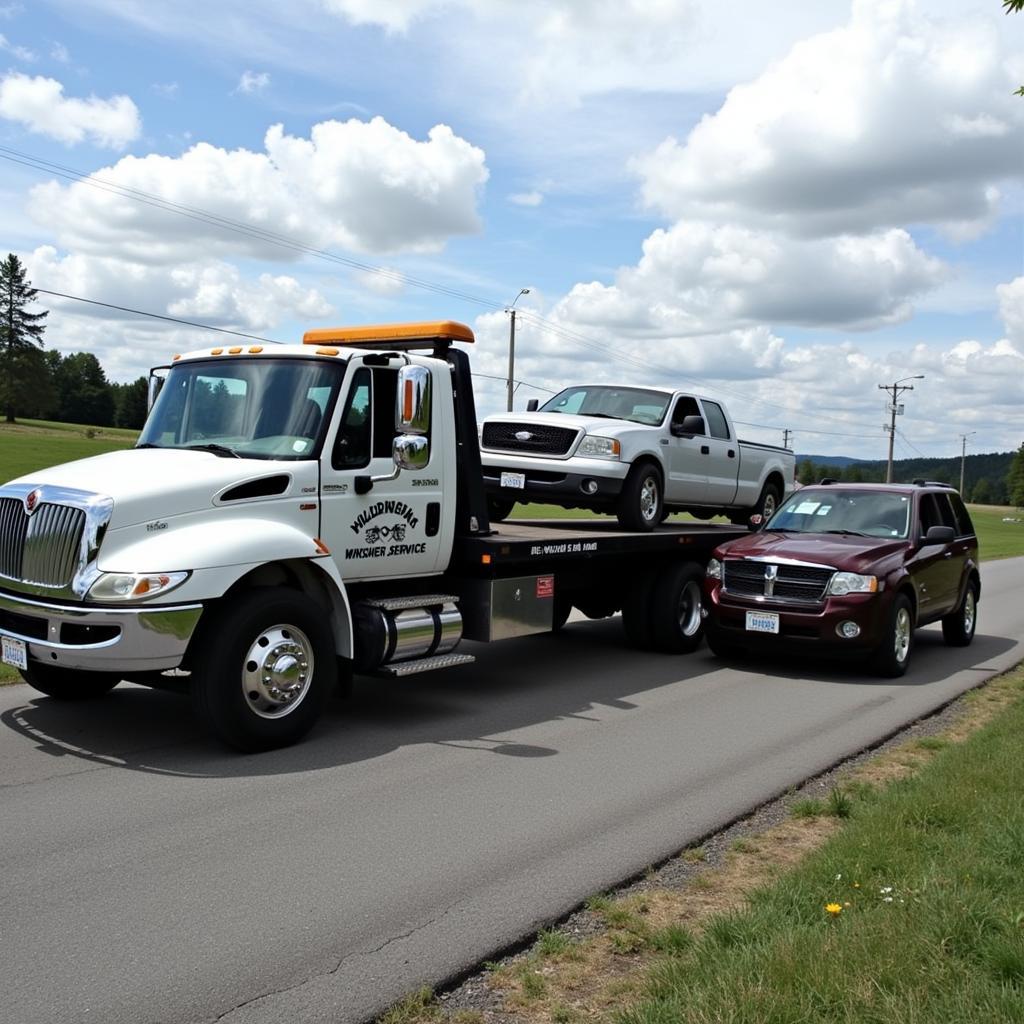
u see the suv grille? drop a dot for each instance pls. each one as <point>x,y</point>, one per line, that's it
<point>801,583</point>
<point>543,439</point>
<point>43,548</point>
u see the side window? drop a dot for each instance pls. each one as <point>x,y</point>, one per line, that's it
<point>928,512</point>
<point>964,526</point>
<point>718,426</point>
<point>352,446</point>
<point>946,517</point>
<point>385,396</point>
<point>686,406</point>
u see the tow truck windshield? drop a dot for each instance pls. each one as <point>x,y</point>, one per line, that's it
<point>860,513</point>
<point>245,408</point>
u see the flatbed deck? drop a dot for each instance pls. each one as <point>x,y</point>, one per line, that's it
<point>525,542</point>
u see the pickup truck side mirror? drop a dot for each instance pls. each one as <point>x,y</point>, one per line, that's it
<point>531,405</point>
<point>940,535</point>
<point>690,426</point>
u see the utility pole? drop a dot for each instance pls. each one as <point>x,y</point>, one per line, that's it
<point>896,388</point>
<point>963,456</point>
<point>785,436</point>
<point>511,310</point>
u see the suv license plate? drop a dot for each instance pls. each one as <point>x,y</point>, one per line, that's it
<point>517,481</point>
<point>13,652</point>
<point>763,622</point>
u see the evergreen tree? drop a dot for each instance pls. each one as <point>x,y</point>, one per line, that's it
<point>85,395</point>
<point>21,336</point>
<point>982,493</point>
<point>1015,479</point>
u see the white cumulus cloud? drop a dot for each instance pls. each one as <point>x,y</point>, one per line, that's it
<point>358,185</point>
<point>39,104</point>
<point>253,81</point>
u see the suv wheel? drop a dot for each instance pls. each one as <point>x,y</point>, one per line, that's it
<point>893,654</point>
<point>958,627</point>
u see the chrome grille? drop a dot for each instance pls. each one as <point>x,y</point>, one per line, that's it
<point>43,548</point>
<point>542,440</point>
<point>804,584</point>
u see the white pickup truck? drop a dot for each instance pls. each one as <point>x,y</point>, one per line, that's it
<point>640,452</point>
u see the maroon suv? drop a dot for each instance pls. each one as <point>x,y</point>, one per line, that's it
<point>848,567</point>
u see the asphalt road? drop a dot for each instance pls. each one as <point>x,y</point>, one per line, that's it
<point>149,877</point>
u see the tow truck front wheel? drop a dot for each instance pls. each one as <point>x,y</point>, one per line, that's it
<point>264,670</point>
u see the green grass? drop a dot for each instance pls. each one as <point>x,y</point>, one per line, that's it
<point>929,879</point>
<point>9,675</point>
<point>29,445</point>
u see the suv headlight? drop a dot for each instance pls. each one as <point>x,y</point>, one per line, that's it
<point>852,583</point>
<point>596,447</point>
<point>134,586</point>
<point>714,569</point>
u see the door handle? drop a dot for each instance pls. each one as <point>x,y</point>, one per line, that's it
<point>948,554</point>
<point>732,454</point>
<point>705,450</point>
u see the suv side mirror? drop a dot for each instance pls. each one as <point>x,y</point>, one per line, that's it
<point>690,426</point>
<point>531,405</point>
<point>939,535</point>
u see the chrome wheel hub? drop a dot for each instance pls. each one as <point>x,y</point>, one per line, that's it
<point>649,499</point>
<point>970,610</point>
<point>689,608</point>
<point>277,671</point>
<point>769,507</point>
<point>901,635</point>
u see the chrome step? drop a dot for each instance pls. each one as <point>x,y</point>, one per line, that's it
<point>408,668</point>
<point>396,604</point>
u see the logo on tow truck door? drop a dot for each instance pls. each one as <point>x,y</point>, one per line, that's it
<point>372,533</point>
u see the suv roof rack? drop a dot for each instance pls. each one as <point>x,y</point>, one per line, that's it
<point>826,481</point>
<point>933,483</point>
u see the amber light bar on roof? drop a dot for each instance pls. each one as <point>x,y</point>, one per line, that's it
<point>383,335</point>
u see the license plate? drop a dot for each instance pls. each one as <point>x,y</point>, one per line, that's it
<point>13,652</point>
<point>763,622</point>
<point>517,481</point>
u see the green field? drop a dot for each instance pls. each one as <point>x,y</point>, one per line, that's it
<point>35,444</point>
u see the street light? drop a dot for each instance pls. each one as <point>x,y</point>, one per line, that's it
<point>897,388</point>
<point>511,309</point>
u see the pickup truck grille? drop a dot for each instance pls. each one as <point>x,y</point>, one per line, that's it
<point>542,439</point>
<point>804,584</point>
<point>43,548</point>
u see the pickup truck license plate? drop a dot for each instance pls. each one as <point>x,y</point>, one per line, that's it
<point>763,622</point>
<point>517,481</point>
<point>13,652</point>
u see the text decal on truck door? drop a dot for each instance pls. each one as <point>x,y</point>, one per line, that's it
<point>394,531</point>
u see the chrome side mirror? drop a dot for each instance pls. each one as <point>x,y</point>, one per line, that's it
<point>411,451</point>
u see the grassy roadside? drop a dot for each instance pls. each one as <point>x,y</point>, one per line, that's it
<point>898,898</point>
<point>36,444</point>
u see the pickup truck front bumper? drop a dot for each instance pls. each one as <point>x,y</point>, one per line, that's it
<point>584,482</point>
<point>125,640</point>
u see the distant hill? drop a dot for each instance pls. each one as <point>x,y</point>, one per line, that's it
<point>829,460</point>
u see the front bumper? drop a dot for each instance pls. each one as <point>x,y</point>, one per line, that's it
<point>801,627</point>
<point>125,640</point>
<point>558,482</point>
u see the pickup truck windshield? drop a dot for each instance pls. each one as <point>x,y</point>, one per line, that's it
<point>633,404</point>
<point>861,513</point>
<point>247,408</point>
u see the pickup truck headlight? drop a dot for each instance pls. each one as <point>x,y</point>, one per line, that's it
<point>596,447</point>
<point>714,569</point>
<point>134,586</point>
<point>852,583</point>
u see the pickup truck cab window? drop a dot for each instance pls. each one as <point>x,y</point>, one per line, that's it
<point>635,404</point>
<point>718,426</point>
<point>247,408</point>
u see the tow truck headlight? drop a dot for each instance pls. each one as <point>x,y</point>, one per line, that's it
<point>596,447</point>
<point>134,586</point>
<point>852,583</point>
<point>714,569</point>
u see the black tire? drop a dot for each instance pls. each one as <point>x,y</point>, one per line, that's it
<point>68,683</point>
<point>892,656</point>
<point>636,610</point>
<point>499,509</point>
<point>560,613</point>
<point>240,694</point>
<point>767,503</point>
<point>958,627</point>
<point>641,499</point>
<point>676,624</point>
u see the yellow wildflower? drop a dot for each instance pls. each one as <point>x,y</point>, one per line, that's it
<point>834,909</point>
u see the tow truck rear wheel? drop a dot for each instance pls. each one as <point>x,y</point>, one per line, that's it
<point>68,683</point>
<point>676,624</point>
<point>264,669</point>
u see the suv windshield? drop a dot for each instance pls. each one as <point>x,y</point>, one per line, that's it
<point>251,408</point>
<point>633,404</point>
<point>828,510</point>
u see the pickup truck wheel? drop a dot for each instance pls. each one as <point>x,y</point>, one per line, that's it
<point>892,656</point>
<point>676,623</point>
<point>636,610</point>
<point>265,671</point>
<point>958,627</point>
<point>639,506</point>
<point>768,502</point>
<point>68,683</point>
<point>498,509</point>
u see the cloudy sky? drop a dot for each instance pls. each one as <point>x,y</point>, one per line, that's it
<point>780,209</point>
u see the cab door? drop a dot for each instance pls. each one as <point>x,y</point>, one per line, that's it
<point>723,456</point>
<point>394,529</point>
<point>687,461</point>
<point>936,573</point>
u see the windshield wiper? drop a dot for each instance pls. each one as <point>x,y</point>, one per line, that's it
<point>221,450</point>
<point>846,533</point>
<point>148,445</point>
